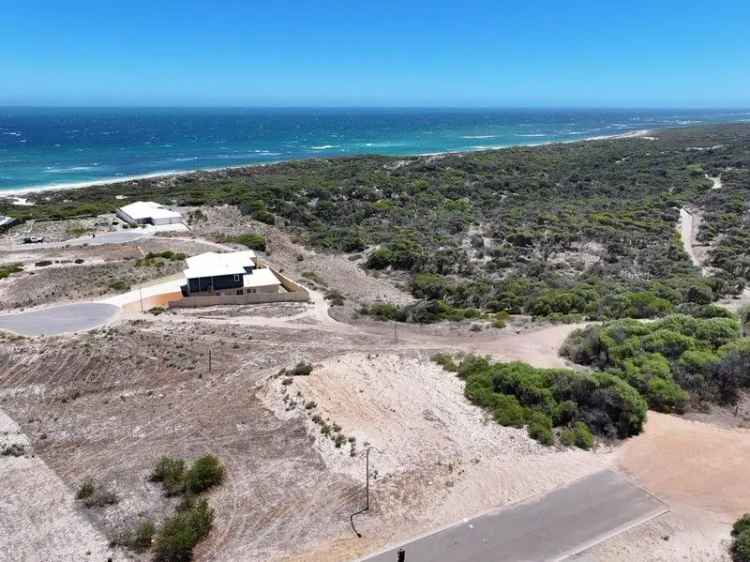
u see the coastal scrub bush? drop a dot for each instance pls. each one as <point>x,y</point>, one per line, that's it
<point>92,495</point>
<point>517,394</point>
<point>171,473</point>
<point>86,489</point>
<point>138,539</point>
<point>301,369</point>
<point>583,437</point>
<point>670,361</point>
<point>10,269</point>
<point>253,241</point>
<point>179,534</point>
<point>741,536</point>
<point>205,473</point>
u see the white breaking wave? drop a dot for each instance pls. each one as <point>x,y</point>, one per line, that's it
<point>323,147</point>
<point>479,137</point>
<point>51,170</point>
<point>531,135</point>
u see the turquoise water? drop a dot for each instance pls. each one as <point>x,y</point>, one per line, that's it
<point>42,147</point>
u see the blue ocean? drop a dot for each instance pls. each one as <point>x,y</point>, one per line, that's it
<point>41,147</point>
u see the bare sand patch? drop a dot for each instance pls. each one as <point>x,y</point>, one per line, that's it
<point>436,457</point>
<point>692,464</point>
<point>700,470</point>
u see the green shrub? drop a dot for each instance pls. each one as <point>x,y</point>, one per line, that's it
<point>143,536</point>
<point>139,539</point>
<point>669,360</point>
<point>205,473</point>
<point>119,285</point>
<point>86,489</point>
<point>445,360</point>
<point>508,411</point>
<point>583,437</point>
<point>741,547</point>
<point>178,535</point>
<point>540,428</point>
<point>171,473</point>
<point>519,394</point>
<point>92,495</point>
<point>665,395</point>
<point>9,269</point>
<point>567,437</point>
<point>252,241</point>
<point>301,369</point>
<point>741,525</point>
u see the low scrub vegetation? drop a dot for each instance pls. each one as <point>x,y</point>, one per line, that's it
<point>138,539</point>
<point>180,533</point>
<point>250,240</point>
<point>429,312</point>
<point>9,269</point>
<point>175,539</point>
<point>741,539</point>
<point>555,405</point>
<point>90,494</point>
<point>565,231</point>
<point>301,369</point>
<point>176,478</point>
<point>671,361</point>
<point>154,259</point>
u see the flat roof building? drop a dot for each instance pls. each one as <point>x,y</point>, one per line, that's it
<point>148,212</point>
<point>6,222</point>
<point>233,273</point>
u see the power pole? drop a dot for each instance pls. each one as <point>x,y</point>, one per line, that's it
<point>367,494</point>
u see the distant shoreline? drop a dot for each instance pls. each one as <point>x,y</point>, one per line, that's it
<point>15,193</point>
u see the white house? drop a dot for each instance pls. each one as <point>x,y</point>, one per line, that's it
<point>6,222</point>
<point>148,212</point>
<point>234,273</point>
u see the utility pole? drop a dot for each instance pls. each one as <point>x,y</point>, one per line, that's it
<point>367,494</point>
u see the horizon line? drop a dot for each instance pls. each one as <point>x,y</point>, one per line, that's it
<point>382,107</point>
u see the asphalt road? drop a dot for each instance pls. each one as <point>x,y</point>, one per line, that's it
<point>554,527</point>
<point>120,237</point>
<point>58,319</point>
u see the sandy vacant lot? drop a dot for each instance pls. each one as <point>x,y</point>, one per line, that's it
<point>700,470</point>
<point>436,458</point>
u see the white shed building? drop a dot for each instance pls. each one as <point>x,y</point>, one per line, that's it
<point>148,212</point>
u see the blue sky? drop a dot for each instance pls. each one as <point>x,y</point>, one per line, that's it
<point>657,53</point>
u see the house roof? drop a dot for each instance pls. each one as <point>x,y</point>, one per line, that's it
<point>148,209</point>
<point>262,277</point>
<point>212,264</point>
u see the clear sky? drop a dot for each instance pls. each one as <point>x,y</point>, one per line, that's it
<point>594,53</point>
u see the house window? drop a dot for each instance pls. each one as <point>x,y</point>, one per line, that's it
<point>239,291</point>
<point>236,277</point>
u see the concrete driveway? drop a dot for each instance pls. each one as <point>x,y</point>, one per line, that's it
<point>554,527</point>
<point>59,319</point>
